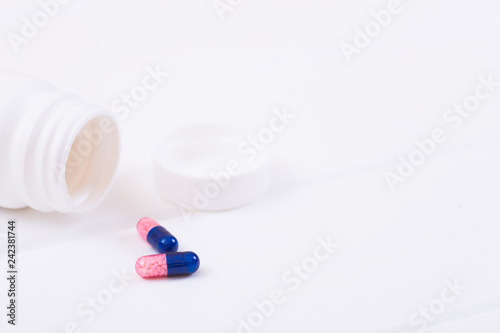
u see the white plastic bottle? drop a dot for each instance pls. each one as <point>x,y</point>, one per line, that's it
<point>57,152</point>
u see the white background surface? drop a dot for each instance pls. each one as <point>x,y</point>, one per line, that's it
<point>354,120</point>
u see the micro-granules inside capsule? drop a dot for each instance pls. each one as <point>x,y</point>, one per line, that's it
<point>152,266</point>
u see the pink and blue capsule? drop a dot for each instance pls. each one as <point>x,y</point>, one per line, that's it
<point>167,264</point>
<point>157,236</point>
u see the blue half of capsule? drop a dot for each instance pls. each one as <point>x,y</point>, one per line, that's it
<point>182,263</point>
<point>162,240</point>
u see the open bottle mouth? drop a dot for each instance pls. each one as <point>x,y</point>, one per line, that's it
<point>92,162</point>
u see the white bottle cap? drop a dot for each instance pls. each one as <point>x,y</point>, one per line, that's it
<point>210,168</point>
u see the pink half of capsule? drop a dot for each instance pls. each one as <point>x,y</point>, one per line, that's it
<point>169,264</point>
<point>145,225</point>
<point>152,266</point>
